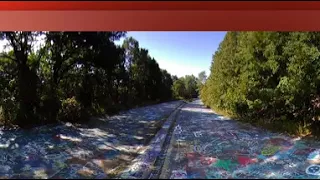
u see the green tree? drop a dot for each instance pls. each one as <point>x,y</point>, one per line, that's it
<point>267,77</point>
<point>27,80</point>
<point>179,89</point>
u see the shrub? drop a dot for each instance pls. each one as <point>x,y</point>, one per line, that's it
<point>267,78</point>
<point>8,112</point>
<point>71,110</point>
<point>2,116</point>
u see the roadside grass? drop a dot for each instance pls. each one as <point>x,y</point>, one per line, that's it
<point>297,129</point>
<point>290,128</point>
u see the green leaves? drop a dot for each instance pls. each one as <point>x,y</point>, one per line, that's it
<point>75,75</point>
<point>273,72</point>
<point>186,87</point>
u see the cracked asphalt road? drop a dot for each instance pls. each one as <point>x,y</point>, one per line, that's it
<point>206,145</point>
<point>97,150</point>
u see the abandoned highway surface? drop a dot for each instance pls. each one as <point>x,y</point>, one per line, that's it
<point>206,145</point>
<point>197,143</point>
<point>100,149</point>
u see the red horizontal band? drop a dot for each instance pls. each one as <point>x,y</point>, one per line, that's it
<point>159,5</point>
<point>160,20</point>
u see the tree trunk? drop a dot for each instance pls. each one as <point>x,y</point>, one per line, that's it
<point>27,97</point>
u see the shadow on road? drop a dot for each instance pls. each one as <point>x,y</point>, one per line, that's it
<point>98,149</point>
<point>207,145</point>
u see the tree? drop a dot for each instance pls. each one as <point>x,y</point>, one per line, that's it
<point>191,86</point>
<point>267,78</point>
<point>27,79</point>
<point>202,77</point>
<point>179,89</point>
<point>185,87</point>
<point>71,76</point>
<point>166,84</point>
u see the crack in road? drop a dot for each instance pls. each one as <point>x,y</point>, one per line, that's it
<point>205,145</point>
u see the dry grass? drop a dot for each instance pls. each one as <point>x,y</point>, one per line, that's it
<point>291,128</point>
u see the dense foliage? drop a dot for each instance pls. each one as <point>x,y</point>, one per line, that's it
<point>267,78</point>
<point>50,76</point>
<point>187,87</point>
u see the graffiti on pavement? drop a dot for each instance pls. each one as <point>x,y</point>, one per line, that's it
<point>223,148</point>
<point>69,151</point>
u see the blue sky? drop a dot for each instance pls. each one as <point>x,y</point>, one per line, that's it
<point>180,53</point>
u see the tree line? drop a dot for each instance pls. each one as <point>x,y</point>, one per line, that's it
<point>47,77</point>
<point>267,78</point>
<point>188,87</point>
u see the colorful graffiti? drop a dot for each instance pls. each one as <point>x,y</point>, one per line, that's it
<point>66,151</point>
<point>223,148</point>
<point>148,164</point>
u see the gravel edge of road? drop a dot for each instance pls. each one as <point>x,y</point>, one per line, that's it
<point>140,167</point>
